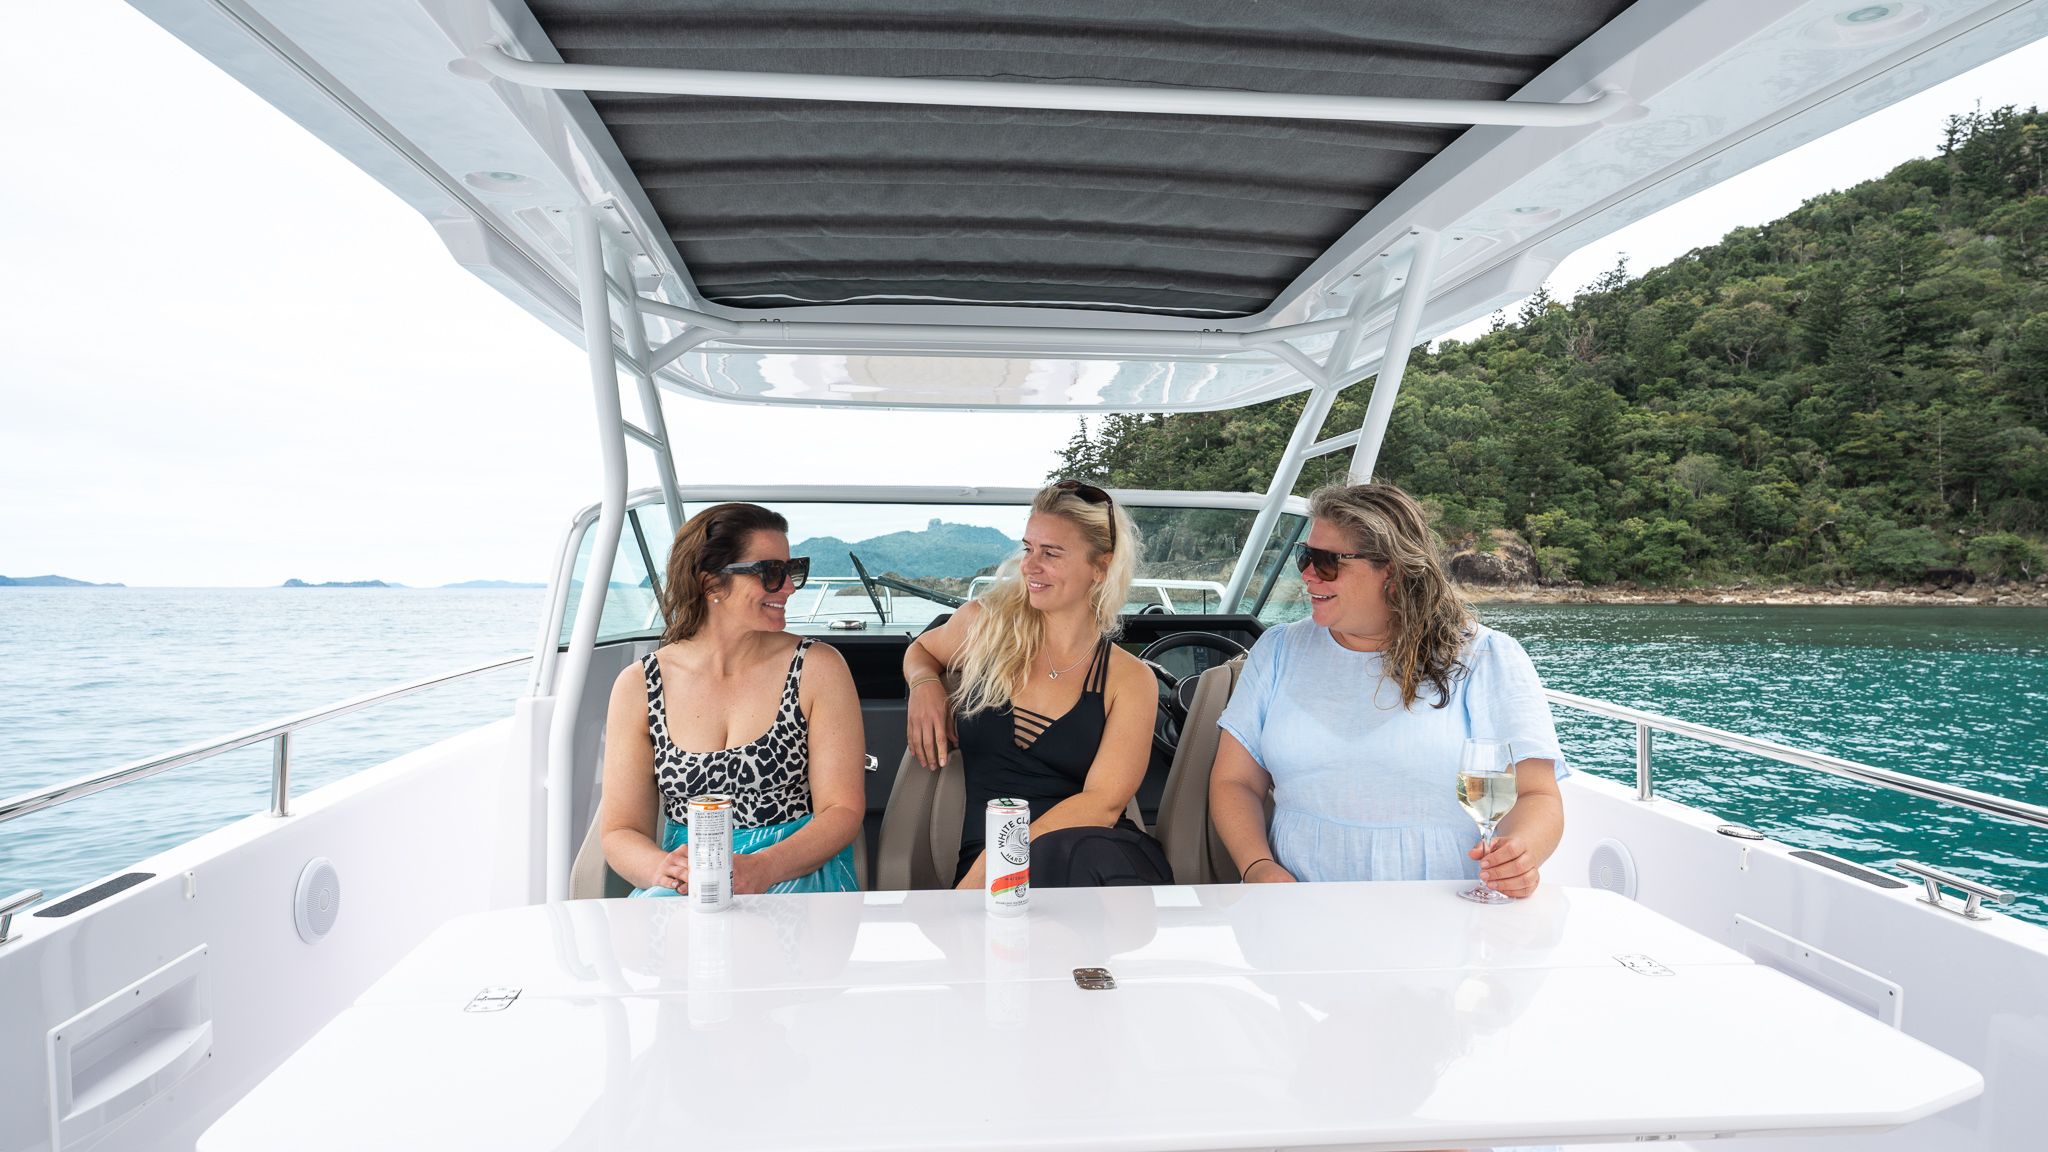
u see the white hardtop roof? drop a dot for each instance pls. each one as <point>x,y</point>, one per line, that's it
<point>1690,93</point>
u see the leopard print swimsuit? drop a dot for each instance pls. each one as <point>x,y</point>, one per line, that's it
<point>768,778</point>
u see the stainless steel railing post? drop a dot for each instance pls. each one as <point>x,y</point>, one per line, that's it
<point>281,775</point>
<point>13,904</point>
<point>1644,791</point>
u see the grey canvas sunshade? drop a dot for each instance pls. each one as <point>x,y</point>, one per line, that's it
<point>778,203</point>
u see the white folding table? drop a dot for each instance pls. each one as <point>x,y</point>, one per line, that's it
<point>1361,1016</point>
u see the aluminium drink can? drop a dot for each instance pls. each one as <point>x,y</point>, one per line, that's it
<point>710,826</point>
<point>1007,891</point>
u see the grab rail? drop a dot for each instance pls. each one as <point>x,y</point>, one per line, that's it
<point>279,731</point>
<point>1647,722</point>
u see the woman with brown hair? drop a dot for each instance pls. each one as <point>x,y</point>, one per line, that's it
<point>1049,711</point>
<point>1356,717</point>
<point>725,671</point>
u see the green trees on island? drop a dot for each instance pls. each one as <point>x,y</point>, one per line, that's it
<point>1855,392</point>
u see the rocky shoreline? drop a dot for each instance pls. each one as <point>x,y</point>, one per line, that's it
<point>2003,594</point>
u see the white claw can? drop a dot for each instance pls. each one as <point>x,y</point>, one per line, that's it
<point>1007,890</point>
<point>710,820</point>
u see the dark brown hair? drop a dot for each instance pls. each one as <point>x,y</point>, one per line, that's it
<point>1431,624</point>
<point>712,539</point>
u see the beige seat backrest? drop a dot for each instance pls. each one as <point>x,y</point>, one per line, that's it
<point>904,858</point>
<point>1184,829</point>
<point>587,874</point>
<point>921,827</point>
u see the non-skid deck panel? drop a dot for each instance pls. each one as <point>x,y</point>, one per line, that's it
<point>774,203</point>
<point>95,894</point>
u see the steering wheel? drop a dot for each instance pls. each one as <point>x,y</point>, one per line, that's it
<point>1180,691</point>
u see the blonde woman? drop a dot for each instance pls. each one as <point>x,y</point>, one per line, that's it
<point>1049,710</point>
<point>1355,718</point>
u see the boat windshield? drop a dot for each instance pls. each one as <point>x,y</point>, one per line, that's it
<point>895,567</point>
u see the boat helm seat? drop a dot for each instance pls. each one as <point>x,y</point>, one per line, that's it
<point>1192,846</point>
<point>921,826</point>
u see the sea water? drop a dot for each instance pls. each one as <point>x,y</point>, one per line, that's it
<point>95,677</point>
<point>92,678</point>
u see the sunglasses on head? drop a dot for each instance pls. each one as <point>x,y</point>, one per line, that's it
<point>773,572</point>
<point>1093,495</point>
<point>1326,562</point>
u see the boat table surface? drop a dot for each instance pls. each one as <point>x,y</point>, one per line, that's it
<point>1370,1016</point>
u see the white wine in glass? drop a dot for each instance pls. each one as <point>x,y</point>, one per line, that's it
<point>1486,790</point>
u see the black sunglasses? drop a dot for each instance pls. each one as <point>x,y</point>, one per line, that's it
<point>1093,495</point>
<point>773,572</point>
<point>1324,560</point>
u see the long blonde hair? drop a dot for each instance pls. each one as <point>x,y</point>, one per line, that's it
<point>1009,633</point>
<point>1431,624</point>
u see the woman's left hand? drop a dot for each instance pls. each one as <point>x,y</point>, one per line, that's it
<point>1509,869</point>
<point>750,874</point>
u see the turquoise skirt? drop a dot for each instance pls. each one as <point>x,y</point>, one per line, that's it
<point>836,875</point>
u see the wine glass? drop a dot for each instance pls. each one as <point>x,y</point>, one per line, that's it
<point>1486,790</point>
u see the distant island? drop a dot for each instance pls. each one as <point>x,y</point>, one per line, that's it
<point>297,583</point>
<point>492,584</point>
<point>51,582</point>
<point>940,549</point>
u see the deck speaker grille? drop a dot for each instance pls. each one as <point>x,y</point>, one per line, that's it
<point>318,901</point>
<point>1612,869</point>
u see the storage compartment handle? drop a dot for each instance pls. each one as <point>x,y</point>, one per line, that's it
<point>110,1060</point>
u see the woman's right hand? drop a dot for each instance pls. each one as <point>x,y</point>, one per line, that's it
<point>931,734</point>
<point>674,871</point>
<point>1268,872</point>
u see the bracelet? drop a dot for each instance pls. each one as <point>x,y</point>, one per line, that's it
<point>1246,874</point>
<point>919,680</point>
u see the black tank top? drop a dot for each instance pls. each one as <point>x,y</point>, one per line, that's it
<point>1015,752</point>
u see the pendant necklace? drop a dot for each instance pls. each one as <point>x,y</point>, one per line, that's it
<point>1054,673</point>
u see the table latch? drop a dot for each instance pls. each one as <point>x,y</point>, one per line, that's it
<point>1094,979</point>
<point>492,1000</point>
<point>1642,965</point>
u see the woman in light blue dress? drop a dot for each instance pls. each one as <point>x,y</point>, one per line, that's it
<point>1356,717</point>
<point>777,716</point>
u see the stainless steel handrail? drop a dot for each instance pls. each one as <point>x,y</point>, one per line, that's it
<point>1646,722</point>
<point>279,731</point>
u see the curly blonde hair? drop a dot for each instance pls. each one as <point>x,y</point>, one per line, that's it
<point>1432,624</point>
<point>1006,638</point>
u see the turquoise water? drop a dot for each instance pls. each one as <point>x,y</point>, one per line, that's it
<point>1954,694</point>
<point>91,678</point>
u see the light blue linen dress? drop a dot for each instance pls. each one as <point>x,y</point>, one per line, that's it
<point>1364,789</point>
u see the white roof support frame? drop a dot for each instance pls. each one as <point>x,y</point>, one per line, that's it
<point>1394,362</point>
<point>1068,97</point>
<point>600,267</point>
<point>1336,373</point>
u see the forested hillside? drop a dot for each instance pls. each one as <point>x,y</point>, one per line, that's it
<point>1853,393</point>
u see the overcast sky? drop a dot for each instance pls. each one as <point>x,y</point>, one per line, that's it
<point>227,357</point>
